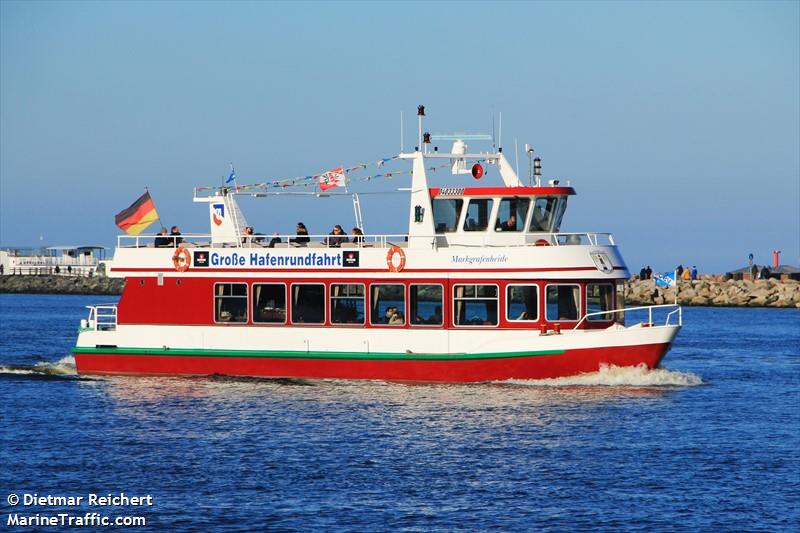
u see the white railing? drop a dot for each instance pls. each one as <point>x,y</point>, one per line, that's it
<point>649,308</point>
<point>488,239</point>
<point>102,317</point>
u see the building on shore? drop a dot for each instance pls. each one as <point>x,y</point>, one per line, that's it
<point>60,260</point>
<point>782,272</point>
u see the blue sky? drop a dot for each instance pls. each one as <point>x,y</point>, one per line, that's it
<point>678,122</point>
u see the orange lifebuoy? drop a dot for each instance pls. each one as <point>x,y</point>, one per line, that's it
<point>390,259</point>
<point>542,242</point>
<point>182,259</point>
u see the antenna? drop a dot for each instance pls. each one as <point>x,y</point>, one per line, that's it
<point>420,114</point>
<point>494,136</point>
<point>500,133</point>
<point>401,132</point>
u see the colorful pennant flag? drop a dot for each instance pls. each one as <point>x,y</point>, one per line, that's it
<point>332,178</point>
<point>138,216</point>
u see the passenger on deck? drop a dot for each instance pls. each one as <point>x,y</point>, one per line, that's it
<point>162,240</point>
<point>302,235</point>
<point>358,236</point>
<point>336,237</point>
<point>174,239</point>
<point>274,240</point>
<point>248,236</point>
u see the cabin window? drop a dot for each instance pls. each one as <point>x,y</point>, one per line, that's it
<point>475,305</point>
<point>308,303</point>
<point>446,212</point>
<point>426,304</point>
<point>512,214</point>
<point>599,297</point>
<point>544,212</point>
<point>388,305</point>
<point>620,302</point>
<point>522,303</point>
<point>230,302</point>
<point>347,303</point>
<point>563,302</point>
<point>269,303</point>
<point>478,211</point>
<point>562,207</point>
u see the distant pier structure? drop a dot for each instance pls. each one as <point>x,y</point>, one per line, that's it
<point>58,260</point>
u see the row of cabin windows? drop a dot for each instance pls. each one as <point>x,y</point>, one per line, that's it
<point>512,214</point>
<point>473,304</point>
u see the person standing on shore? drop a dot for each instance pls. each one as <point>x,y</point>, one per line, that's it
<point>694,273</point>
<point>649,272</point>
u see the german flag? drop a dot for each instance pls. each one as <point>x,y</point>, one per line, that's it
<point>138,216</point>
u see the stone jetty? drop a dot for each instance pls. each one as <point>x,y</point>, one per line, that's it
<point>717,292</point>
<point>703,292</point>
<point>55,284</point>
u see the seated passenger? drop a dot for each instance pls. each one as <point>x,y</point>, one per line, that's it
<point>396,317</point>
<point>162,240</point>
<point>248,235</point>
<point>302,235</point>
<point>436,317</point>
<point>336,237</point>
<point>358,236</point>
<point>510,224</point>
<point>174,240</point>
<point>274,240</point>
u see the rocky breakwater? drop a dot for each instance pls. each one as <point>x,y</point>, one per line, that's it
<point>717,292</point>
<point>61,284</point>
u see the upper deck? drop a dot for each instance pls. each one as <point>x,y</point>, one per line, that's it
<point>512,227</point>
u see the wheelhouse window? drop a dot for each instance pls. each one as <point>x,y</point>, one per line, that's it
<point>475,305</point>
<point>308,303</point>
<point>544,213</point>
<point>426,304</point>
<point>563,302</point>
<point>522,303</point>
<point>478,212</point>
<point>446,212</point>
<point>388,305</point>
<point>347,303</point>
<point>512,214</point>
<point>269,303</point>
<point>620,290</point>
<point>599,297</point>
<point>230,302</point>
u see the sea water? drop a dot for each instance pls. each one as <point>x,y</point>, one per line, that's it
<point>708,442</point>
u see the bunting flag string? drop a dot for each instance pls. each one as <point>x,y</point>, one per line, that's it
<point>313,180</point>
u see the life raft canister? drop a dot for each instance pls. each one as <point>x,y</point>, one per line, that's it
<point>542,242</point>
<point>395,250</point>
<point>182,259</point>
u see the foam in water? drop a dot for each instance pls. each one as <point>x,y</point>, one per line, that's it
<point>620,376</point>
<point>63,367</point>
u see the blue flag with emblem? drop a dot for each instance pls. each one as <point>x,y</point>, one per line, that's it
<point>665,280</point>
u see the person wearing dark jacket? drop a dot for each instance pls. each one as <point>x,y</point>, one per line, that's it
<point>302,235</point>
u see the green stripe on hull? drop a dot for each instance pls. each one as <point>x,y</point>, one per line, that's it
<point>284,354</point>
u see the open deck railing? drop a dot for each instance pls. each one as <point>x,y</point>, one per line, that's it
<point>488,239</point>
<point>676,309</point>
<point>102,317</point>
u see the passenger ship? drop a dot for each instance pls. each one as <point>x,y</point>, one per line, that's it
<point>483,287</point>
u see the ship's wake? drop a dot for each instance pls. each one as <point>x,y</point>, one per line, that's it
<point>63,368</point>
<point>619,376</point>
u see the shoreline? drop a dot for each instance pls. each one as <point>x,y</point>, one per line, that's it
<point>699,293</point>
